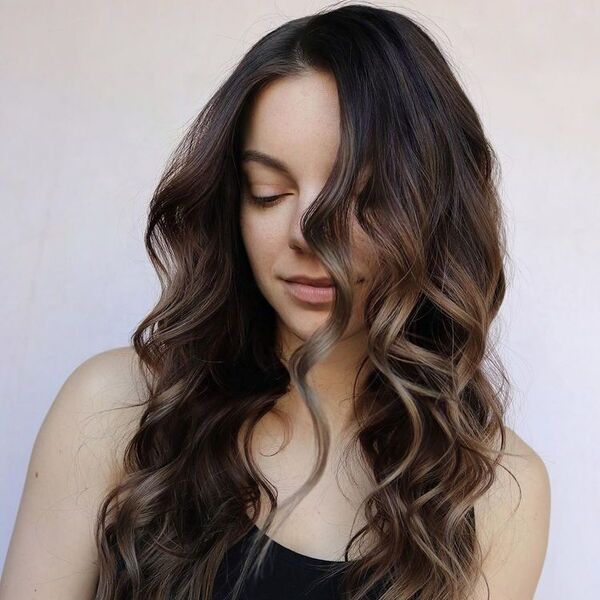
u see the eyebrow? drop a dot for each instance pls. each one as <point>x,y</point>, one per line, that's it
<point>267,160</point>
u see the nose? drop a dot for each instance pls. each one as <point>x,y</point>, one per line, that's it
<point>296,240</point>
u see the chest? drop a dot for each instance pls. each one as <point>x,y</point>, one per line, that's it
<point>323,522</point>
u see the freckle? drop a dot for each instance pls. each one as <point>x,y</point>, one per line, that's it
<point>36,474</point>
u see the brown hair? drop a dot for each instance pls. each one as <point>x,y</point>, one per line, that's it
<point>434,404</point>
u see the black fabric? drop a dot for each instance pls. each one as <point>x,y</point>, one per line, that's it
<point>289,575</point>
<point>286,574</point>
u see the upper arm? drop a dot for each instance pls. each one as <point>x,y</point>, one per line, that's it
<point>74,461</point>
<point>513,527</point>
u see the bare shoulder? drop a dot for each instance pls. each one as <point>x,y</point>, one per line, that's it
<point>513,521</point>
<point>105,398</point>
<point>112,400</point>
<point>74,462</point>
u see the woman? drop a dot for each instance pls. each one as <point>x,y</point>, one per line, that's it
<point>329,241</point>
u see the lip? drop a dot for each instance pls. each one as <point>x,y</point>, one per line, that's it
<point>317,293</point>
<point>316,282</point>
<point>313,294</point>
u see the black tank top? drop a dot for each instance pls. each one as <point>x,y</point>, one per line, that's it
<point>289,575</point>
<point>286,574</point>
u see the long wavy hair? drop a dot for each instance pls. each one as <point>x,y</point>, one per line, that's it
<point>432,410</point>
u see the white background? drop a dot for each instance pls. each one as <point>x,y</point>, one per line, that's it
<point>96,94</point>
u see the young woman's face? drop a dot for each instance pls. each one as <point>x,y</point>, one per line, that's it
<point>288,151</point>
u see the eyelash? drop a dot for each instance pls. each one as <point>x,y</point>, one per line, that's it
<point>265,200</point>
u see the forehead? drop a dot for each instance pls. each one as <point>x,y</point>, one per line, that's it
<point>294,119</point>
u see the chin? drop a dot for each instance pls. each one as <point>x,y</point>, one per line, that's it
<point>301,323</point>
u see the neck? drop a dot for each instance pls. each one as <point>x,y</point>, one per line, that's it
<point>332,380</point>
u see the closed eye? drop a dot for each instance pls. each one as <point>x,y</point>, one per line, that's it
<point>266,200</point>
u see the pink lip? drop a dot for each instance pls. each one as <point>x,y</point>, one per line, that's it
<point>310,293</point>
<point>318,282</point>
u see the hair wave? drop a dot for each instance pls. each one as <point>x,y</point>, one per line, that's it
<point>433,406</point>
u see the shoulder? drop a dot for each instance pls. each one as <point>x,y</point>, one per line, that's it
<point>93,416</point>
<point>104,398</point>
<point>116,368</point>
<point>74,462</point>
<point>513,520</point>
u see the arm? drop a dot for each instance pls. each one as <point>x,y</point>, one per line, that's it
<point>513,536</point>
<point>74,460</point>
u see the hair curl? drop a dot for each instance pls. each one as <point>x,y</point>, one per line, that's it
<point>434,403</point>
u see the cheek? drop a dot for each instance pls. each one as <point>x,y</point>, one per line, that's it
<point>259,241</point>
<point>246,232</point>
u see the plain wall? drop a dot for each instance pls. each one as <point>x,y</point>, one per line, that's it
<point>96,94</point>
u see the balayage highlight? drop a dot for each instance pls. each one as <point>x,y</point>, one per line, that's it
<point>430,417</point>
